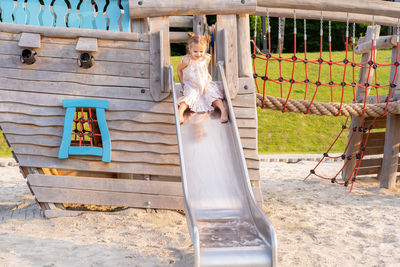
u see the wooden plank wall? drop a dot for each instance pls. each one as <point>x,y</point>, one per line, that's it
<point>142,131</point>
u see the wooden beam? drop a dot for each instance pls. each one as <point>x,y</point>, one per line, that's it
<point>31,40</point>
<point>244,54</point>
<point>354,139</point>
<point>156,8</point>
<point>159,55</point>
<point>181,21</point>
<point>384,42</point>
<point>106,184</point>
<point>372,33</point>
<point>333,16</point>
<point>199,24</point>
<point>178,37</point>
<point>94,197</point>
<point>390,161</point>
<point>365,7</point>
<point>72,32</point>
<point>227,50</point>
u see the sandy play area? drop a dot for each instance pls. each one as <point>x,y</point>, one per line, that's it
<point>317,224</point>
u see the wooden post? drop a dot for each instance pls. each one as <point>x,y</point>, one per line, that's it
<point>139,25</point>
<point>159,55</point>
<point>199,24</point>
<point>227,49</point>
<point>243,43</point>
<point>264,42</point>
<point>390,162</point>
<point>354,144</point>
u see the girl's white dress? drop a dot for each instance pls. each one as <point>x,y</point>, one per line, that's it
<point>195,77</point>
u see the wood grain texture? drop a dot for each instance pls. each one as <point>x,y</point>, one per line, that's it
<point>244,54</point>
<point>93,197</point>
<point>158,8</point>
<point>116,155</point>
<point>69,51</point>
<point>227,50</point>
<point>390,160</point>
<point>72,32</point>
<point>75,89</point>
<point>159,54</point>
<point>73,163</point>
<point>106,184</point>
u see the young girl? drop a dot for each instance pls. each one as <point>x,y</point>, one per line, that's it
<point>200,93</point>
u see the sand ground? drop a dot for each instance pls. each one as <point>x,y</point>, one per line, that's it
<point>316,222</point>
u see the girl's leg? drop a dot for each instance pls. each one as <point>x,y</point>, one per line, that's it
<point>220,105</point>
<point>182,107</point>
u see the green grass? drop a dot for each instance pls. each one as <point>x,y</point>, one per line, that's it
<point>5,150</point>
<point>298,133</point>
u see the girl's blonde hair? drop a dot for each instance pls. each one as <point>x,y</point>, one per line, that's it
<point>197,39</point>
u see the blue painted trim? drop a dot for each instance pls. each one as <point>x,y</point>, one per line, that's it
<point>85,150</point>
<point>84,102</point>
<point>66,149</point>
<point>66,139</point>
<point>125,22</point>
<point>105,135</point>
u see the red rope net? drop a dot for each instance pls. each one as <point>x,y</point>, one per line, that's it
<point>287,85</point>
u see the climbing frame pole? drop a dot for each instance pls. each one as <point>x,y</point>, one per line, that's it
<point>390,162</point>
<point>244,53</point>
<point>159,56</point>
<point>354,138</point>
<point>227,50</point>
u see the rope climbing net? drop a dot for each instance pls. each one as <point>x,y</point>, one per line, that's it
<point>311,86</point>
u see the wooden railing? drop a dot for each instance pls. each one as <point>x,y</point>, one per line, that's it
<point>110,15</point>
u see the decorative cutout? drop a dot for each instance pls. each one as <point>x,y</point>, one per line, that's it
<point>7,8</point>
<point>89,14</point>
<point>85,129</point>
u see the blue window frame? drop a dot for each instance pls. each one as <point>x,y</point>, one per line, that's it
<point>85,129</point>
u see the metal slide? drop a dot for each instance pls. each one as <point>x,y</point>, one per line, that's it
<point>225,223</point>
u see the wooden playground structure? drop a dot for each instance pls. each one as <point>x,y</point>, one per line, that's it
<point>123,56</point>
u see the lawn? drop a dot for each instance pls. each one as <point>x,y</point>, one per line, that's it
<point>298,133</point>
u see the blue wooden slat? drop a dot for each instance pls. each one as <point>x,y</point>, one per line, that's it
<point>33,10</point>
<point>46,17</point>
<point>73,18</point>
<point>60,9</point>
<point>20,16</point>
<point>100,21</point>
<point>86,11</point>
<point>85,150</point>
<point>105,135</point>
<point>125,20</point>
<point>67,132</point>
<point>7,8</point>
<point>85,102</point>
<point>114,14</point>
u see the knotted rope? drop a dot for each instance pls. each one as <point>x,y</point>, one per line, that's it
<point>328,109</point>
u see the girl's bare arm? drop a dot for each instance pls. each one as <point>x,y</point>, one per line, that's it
<point>184,63</point>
